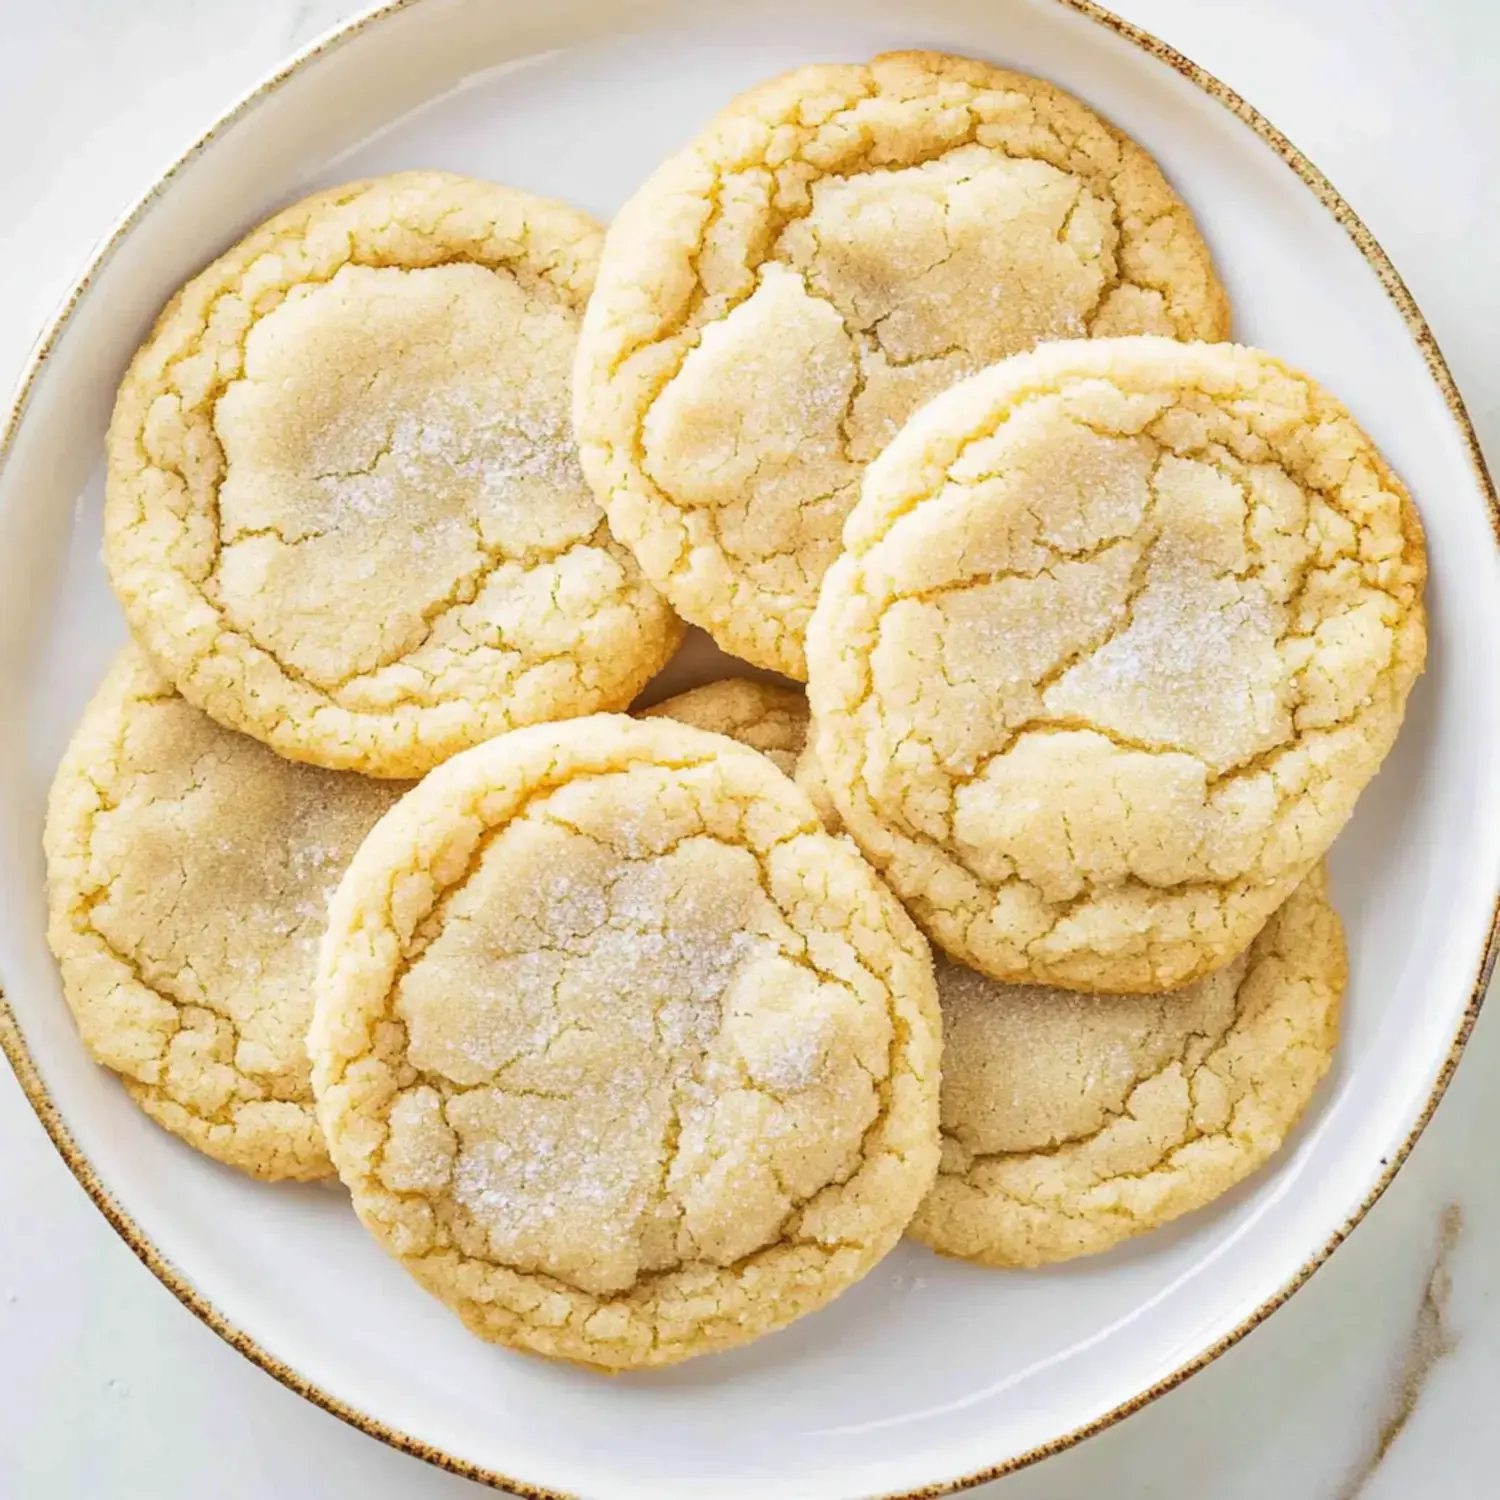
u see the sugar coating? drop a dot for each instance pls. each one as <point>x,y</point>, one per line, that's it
<point>344,507</point>
<point>188,873</point>
<point>1124,628</point>
<point>762,715</point>
<point>838,246</point>
<point>617,1051</point>
<point>1072,1122</point>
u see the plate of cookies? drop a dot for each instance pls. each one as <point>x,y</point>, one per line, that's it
<point>792,710</point>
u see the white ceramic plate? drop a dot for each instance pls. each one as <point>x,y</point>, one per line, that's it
<point>929,1373</point>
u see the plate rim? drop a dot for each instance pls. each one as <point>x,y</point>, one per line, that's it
<point>28,1075</point>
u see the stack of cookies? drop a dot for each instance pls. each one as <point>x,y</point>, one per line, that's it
<point>905,381</point>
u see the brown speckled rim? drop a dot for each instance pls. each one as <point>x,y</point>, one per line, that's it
<point>14,1043</point>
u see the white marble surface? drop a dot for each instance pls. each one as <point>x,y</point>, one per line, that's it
<point>1377,1381</point>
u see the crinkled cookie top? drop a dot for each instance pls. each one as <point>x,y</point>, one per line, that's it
<point>762,715</point>
<point>1072,1122</point>
<point>838,246</point>
<point>345,511</point>
<point>188,872</point>
<point>619,1052</point>
<point>1123,629</point>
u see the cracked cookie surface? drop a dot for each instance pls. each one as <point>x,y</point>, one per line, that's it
<point>188,872</point>
<point>809,775</point>
<point>838,246</point>
<point>762,715</point>
<point>344,508</point>
<point>617,1051</point>
<point>1072,1122</point>
<point>1123,629</point>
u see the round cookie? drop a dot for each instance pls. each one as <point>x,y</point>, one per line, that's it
<point>617,1051</point>
<point>763,716</point>
<point>1124,627</point>
<point>1072,1122</point>
<point>838,246</point>
<point>344,509</point>
<point>188,870</point>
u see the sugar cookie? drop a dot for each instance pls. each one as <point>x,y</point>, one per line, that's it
<point>1124,627</point>
<point>617,1051</point>
<point>188,870</point>
<point>808,774</point>
<point>345,512</point>
<point>768,718</point>
<point>839,245</point>
<point>1072,1122</point>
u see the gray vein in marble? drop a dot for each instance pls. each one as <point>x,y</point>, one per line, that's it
<point>1429,1341</point>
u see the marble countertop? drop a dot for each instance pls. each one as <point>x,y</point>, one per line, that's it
<point>1376,1382</point>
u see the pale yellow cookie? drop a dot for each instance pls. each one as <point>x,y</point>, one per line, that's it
<point>1072,1122</point>
<point>617,1051</point>
<point>768,718</point>
<point>838,246</point>
<point>808,774</point>
<point>344,509</point>
<point>188,870</point>
<point>1124,627</point>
